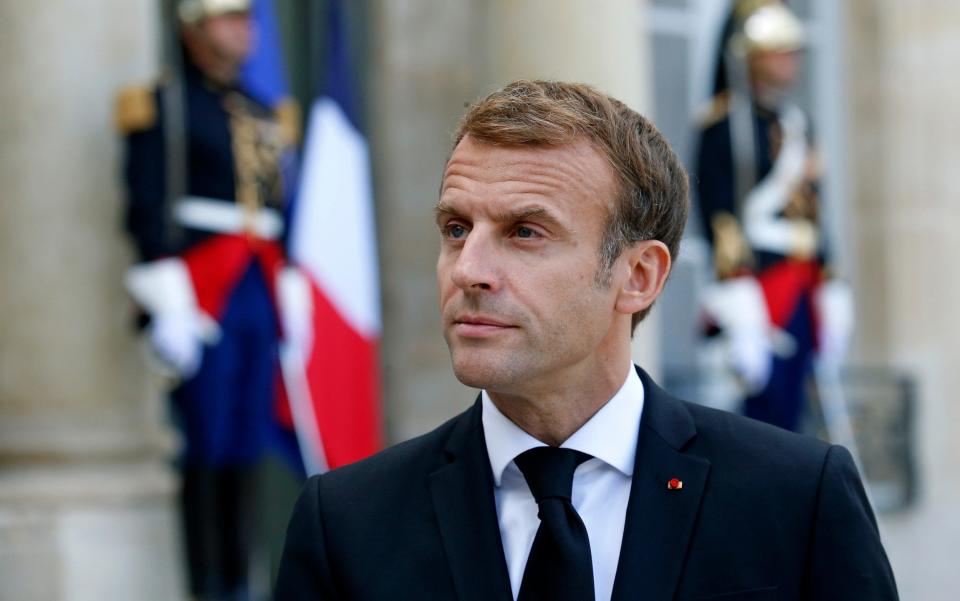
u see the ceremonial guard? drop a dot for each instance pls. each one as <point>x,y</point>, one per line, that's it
<point>774,307</point>
<point>205,180</point>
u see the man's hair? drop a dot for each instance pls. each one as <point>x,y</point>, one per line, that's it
<point>652,200</point>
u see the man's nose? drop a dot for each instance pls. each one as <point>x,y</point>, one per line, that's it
<point>476,264</point>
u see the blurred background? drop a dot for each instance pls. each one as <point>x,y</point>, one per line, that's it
<point>95,459</point>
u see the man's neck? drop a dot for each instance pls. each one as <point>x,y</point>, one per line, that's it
<point>553,415</point>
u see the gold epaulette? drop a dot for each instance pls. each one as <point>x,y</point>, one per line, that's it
<point>290,119</point>
<point>135,109</point>
<point>717,109</point>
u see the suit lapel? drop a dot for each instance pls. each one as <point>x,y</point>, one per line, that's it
<point>462,492</point>
<point>659,521</point>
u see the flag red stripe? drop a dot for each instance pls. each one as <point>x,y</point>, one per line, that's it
<point>343,376</point>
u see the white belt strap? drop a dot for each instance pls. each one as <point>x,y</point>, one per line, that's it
<point>224,217</point>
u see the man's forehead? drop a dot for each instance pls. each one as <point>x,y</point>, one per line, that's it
<point>576,165</point>
<point>470,149</point>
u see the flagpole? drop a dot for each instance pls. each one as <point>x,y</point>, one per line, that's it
<point>305,423</point>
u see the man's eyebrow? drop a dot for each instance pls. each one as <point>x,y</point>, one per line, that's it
<point>541,214</point>
<point>524,213</point>
<point>443,209</point>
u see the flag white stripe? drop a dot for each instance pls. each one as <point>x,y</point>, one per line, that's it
<point>333,233</point>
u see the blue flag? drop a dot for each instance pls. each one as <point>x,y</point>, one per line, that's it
<point>264,75</point>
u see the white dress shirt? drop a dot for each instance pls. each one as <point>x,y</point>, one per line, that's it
<point>601,486</point>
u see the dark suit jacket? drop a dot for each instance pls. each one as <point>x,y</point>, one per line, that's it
<point>763,514</point>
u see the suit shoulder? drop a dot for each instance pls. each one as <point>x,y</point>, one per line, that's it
<point>748,442</point>
<point>418,455</point>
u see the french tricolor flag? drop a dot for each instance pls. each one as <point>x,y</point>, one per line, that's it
<point>330,356</point>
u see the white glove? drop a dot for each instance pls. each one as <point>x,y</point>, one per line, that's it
<point>750,356</point>
<point>834,303</point>
<point>175,338</point>
<point>738,307</point>
<point>178,329</point>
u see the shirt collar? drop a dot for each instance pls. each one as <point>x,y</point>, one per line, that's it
<point>610,435</point>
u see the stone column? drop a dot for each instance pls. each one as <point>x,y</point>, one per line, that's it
<point>430,59</point>
<point>85,491</point>
<point>905,215</point>
<point>598,43</point>
<point>426,62</point>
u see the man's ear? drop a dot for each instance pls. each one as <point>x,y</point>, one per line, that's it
<point>648,264</point>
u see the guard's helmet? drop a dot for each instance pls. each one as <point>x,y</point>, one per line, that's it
<point>194,11</point>
<point>766,26</point>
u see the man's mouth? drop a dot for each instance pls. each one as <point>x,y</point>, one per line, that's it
<point>479,326</point>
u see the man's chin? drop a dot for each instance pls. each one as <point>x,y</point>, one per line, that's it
<point>481,370</point>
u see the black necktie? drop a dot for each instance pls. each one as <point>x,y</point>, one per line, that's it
<point>559,567</point>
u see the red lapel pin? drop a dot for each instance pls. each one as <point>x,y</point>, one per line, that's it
<point>674,484</point>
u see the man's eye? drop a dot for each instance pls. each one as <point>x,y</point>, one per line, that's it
<point>526,232</point>
<point>455,231</point>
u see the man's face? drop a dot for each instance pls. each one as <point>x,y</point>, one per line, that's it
<point>777,70</point>
<point>521,229</point>
<point>230,36</point>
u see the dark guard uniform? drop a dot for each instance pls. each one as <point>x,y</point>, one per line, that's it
<point>205,201</point>
<point>757,196</point>
<point>787,277</point>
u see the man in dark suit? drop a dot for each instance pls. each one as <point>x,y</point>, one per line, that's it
<point>573,476</point>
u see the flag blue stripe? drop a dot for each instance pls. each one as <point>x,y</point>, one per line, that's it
<point>263,75</point>
<point>339,83</point>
